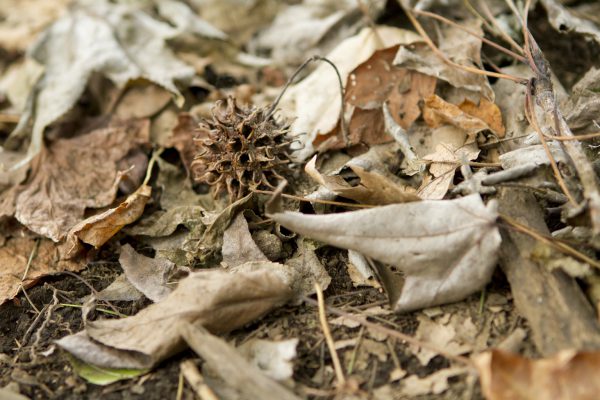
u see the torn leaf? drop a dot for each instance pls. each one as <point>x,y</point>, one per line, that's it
<point>74,174</point>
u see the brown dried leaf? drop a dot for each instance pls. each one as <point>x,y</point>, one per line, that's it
<point>374,187</point>
<point>437,112</point>
<point>486,111</point>
<point>457,45</point>
<point>219,301</point>
<point>98,229</point>
<point>183,139</point>
<point>74,174</point>
<point>368,86</point>
<point>371,83</point>
<point>567,375</point>
<point>15,253</point>
<point>314,102</point>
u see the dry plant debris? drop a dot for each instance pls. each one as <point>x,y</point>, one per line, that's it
<point>179,179</point>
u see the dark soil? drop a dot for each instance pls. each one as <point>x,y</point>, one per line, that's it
<point>30,359</point>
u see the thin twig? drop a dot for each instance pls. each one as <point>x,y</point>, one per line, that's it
<point>293,77</point>
<point>586,136</point>
<point>530,114</point>
<point>562,247</point>
<point>32,255</point>
<point>498,47</point>
<point>393,333</point>
<point>307,200</point>
<point>337,366</point>
<point>499,29</point>
<point>443,57</point>
<point>195,379</point>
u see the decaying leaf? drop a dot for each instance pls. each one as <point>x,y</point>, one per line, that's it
<point>375,187</point>
<point>437,112</point>
<point>445,161</point>
<point>45,260</point>
<point>122,42</point>
<point>274,358</point>
<point>238,246</point>
<point>218,300</point>
<point>148,275</point>
<point>567,375</point>
<point>245,379</point>
<point>319,114</point>
<point>446,249</point>
<point>99,228</point>
<point>459,47</point>
<point>72,175</point>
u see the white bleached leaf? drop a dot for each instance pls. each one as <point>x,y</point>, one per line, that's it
<point>274,358</point>
<point>119,41</point>
<point>446,249</point>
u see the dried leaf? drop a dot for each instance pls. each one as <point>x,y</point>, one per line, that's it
<point>238,245</point>
<point>583,104</point>
<point>374,187</point>
<point>98,229</point>
<point>218,300</point>
<point>446,160</point>
<point>567,375</point>
<point>315,101</point>
<point>142,101</point>
<point>22,20</point>
<point>310,27</point>
<point>150,276</point>
<point>487,112</point>
<point>459,47</point>
<point>307,270</point>
<point>244,379</point>
<point>443,336</point>
<point>203,243</point>
<point>46,260</point>
<point>274,358</point>
<point>377,80</point>
<point>104,44</point>
<point>435,383</point>
<point>74,174</point>
<point>564,21</point>
<point>446,249</point>
<point>437,112</point>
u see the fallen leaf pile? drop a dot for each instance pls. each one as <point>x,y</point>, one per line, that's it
<point>202,169</point>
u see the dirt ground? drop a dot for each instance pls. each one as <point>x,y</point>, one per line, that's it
<point>30,360</point>
<point>378,365</point>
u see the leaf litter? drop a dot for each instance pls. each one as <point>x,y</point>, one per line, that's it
<point>391,205</point>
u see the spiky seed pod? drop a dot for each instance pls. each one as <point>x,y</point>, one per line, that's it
<point>241,149</point>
